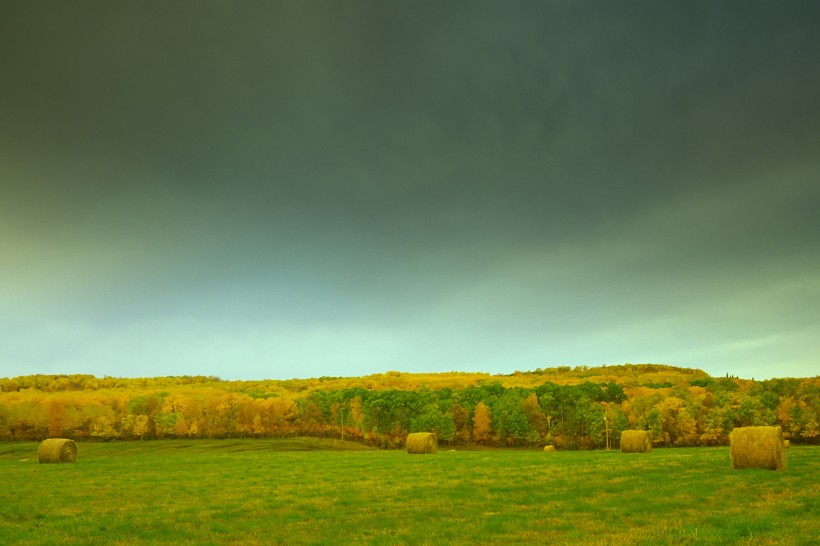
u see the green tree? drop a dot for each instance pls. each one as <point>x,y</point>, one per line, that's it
<point>429,420</point>
<point>447,428</point>
<point>509,420</point>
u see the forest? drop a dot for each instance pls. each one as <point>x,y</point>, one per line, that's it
<point>570,408</point>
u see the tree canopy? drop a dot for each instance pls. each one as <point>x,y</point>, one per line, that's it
<point>571,408</point>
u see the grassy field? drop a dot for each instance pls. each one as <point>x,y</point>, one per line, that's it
<point>307,491</point>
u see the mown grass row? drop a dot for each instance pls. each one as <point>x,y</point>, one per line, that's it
<point>307,491</point>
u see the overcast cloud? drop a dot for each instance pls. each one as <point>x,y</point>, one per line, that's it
<point>298,189</point>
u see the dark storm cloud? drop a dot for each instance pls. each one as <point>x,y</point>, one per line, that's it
<point>408,175</point>
<point>571,108</point>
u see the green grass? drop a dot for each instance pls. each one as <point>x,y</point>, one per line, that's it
<point>307,491</point>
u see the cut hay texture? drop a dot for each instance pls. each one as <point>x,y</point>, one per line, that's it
<point>636,441</point>
<point>757,447</point>
<point>423,443</point>
<point>57,450</point>
<point>549,449</point>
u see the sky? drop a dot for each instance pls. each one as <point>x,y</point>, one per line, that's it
<point>274,190</point>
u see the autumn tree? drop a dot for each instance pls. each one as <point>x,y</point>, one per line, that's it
<point>482,424</point>
<point>56,412</point>
<point>681,407</point>
<point>532,410</point>
<point>356,414</point>
<point>461,422</point>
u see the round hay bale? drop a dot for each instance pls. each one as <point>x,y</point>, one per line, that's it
<point>757,447</point>
<point>549,449</point>
<point>57,450</point>
<point>787,444</point>
<point>423,443</point>
<point>636,441</point>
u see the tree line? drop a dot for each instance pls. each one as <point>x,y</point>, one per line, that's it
<point>687,409</point>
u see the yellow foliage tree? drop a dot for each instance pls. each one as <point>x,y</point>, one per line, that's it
<point>482,423</point>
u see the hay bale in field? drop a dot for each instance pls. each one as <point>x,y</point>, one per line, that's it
<point>757,447</point>
<point>549,449</point>
<point>57,450</point>
<point>422,443</point>
<point>636,441</point>
<point>787,443</point>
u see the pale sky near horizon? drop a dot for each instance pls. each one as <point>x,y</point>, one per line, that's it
<point>299,189</point>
